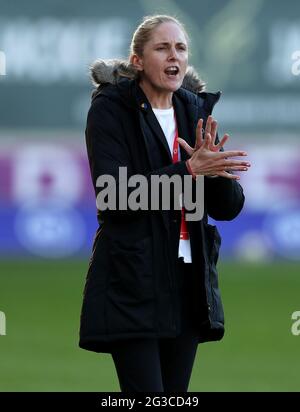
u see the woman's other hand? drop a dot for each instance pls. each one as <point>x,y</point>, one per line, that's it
<point>206,158</point>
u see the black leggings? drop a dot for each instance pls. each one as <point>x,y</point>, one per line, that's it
<point>165,364</point>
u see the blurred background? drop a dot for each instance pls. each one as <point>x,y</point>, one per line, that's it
<point>248,50</point>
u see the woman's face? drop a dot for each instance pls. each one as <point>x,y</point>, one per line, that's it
<point>165,58</point>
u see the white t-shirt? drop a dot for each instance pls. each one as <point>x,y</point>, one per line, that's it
<point>167,123</point>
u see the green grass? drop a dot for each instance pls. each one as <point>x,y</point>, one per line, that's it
<point>42,302</point>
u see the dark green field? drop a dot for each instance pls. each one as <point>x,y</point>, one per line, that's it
<point>42,302</point>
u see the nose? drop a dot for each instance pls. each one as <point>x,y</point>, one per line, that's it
<point>172,54</point>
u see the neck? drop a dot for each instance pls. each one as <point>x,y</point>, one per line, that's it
<point>157,99</point>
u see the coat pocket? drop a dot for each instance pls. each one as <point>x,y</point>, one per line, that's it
<point>131,275</point>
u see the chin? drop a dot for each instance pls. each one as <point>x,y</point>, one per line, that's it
<point>172,87</point>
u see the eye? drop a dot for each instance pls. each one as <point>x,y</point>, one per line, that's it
<point>160,48</point>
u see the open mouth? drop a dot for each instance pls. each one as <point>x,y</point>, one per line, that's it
<point>172,71</point>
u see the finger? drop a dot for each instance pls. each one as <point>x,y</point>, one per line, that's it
<point>229,168</point>
<point>185,146</point>
<point>214,127</point>
<point>232,153</point>
<point>222,142</point>
<point>221,165</point>
<point>237,168</point>
<point>231,162</point>
<point>208,124</point>
<point>199,138</point>
<point>228,175</point>
<point>207,141</point>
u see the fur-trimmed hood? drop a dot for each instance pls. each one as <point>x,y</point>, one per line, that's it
<point>112,70</point>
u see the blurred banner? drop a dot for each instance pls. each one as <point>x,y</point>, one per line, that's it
<point>48,208</point>
<point>248,49</point>
<point>269,225</point>
<point>46,198</point>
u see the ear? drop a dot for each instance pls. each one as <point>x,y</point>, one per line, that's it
<point>137,62</point>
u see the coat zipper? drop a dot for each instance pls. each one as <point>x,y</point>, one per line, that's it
<point>209,302</point>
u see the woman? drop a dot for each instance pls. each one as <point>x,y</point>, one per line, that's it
<point>151,293</point>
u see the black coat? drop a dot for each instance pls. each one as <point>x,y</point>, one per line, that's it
<point>131,287</point>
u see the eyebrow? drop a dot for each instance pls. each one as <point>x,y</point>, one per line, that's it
<point>167,44</point>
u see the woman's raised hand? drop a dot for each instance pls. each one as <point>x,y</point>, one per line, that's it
<point>206,158</point>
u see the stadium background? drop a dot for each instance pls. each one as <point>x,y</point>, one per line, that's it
<point>47,206</point>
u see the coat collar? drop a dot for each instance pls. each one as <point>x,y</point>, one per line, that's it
<point>188,106</point>
<point>182,119</point>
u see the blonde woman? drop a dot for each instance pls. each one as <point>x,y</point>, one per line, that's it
<point>151,293</point>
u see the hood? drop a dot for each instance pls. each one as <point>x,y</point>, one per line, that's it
<point>111,71</point>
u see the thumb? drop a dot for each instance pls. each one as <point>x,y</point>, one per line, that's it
<point>185,146</point>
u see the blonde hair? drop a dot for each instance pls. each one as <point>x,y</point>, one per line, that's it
<point>141,36</point>
<point>144,31</point>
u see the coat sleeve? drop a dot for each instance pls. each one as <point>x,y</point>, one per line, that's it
<point>107,152</point>
<point>224,197</point>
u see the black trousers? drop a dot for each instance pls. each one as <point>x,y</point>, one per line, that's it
<point>165,364</point>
